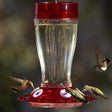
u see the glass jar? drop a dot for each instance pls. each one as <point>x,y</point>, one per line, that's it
<point>56,35</point>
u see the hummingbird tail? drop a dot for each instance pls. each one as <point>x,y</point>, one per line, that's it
<point>15,89</point>
<point>105,97</point>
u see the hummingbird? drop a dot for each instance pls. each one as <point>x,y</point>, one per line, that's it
<point>94,91</point>
<point>103,64</point>
<point>77,95</point>
<point>24,84</point>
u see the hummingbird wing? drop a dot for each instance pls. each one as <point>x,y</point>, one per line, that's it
<point>17,79</point>
<point>98,92</point>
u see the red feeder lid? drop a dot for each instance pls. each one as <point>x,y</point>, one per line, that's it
<point>53,10</point>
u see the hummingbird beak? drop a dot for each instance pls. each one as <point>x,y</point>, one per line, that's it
<point>33,87</point>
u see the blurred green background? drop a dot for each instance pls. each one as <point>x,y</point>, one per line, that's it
<point>18,55</point>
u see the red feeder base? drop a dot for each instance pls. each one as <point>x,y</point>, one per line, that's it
<point>52,97</point>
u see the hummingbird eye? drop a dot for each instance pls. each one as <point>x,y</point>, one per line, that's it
<point>84,88</point>
<point>29,84</point>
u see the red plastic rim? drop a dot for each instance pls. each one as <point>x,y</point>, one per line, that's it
<point>53,10</point>
<point>52,97</point>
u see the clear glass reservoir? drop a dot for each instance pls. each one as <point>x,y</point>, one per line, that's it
<point>56,42</point>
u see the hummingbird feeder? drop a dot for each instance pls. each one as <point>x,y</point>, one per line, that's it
<point>56,34</point>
